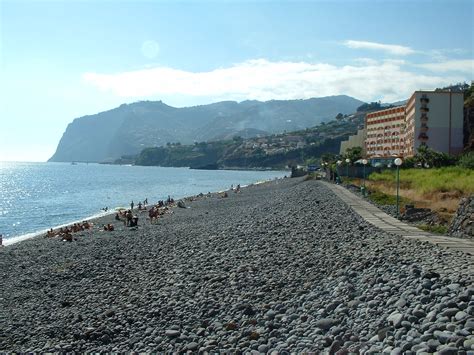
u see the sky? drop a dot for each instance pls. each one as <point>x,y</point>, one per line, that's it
<point>60,60</point>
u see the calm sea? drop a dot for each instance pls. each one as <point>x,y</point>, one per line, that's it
<point>37,196</point>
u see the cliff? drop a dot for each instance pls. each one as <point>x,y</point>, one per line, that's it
<point>128,129</point>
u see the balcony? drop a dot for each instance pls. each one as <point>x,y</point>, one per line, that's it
<point>424,109</point>
<point>423,137</point>
<point>424,129</point>
<point>424,100</point>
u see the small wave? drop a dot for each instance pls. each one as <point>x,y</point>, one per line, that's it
<point>20,238</point>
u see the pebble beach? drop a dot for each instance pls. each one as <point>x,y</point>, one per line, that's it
<point>280,267</point>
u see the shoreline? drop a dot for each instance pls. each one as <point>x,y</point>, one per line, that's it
<point>31,235</point>
<point>97,217</point>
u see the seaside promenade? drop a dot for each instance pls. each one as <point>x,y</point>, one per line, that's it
<point>389,224</point>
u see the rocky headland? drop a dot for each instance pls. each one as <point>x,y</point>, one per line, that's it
<point>279,267</point>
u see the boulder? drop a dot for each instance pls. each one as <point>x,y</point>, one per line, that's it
<point>462,225</point>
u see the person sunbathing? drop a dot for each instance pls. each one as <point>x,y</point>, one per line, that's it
<point>134,221</point>
<point>67,237</point>
<point>50,233</point>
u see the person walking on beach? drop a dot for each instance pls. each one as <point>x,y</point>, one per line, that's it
<point>131,205</point>
<point>129,217</point>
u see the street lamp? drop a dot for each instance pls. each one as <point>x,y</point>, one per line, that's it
<point>364,162</point>
<point>338,178</point>
<point>398,162</point>
<point>347,167</point>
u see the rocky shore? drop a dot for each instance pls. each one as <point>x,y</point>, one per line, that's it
<point>280,267</point>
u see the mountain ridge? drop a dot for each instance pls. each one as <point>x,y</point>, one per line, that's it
<point>129,128</point>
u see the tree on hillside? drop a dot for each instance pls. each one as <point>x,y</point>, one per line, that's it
<point>469,95</point>
<point>328,157</point>
<point>459,87</point>
<point>373,106</point>
<point>353,154</point>
<point>339,116</point>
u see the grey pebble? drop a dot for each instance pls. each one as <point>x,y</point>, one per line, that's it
<point>266,270</point>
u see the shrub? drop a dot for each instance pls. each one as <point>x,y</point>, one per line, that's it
<point>467,160</point>
<point>408,163</point>
<point>381,198</point>
<point>431,158</point>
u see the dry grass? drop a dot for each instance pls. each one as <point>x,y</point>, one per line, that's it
<point>439,189</point>
<point>444,202</point>
<point>448,180</point>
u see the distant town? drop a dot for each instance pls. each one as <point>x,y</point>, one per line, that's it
<point>438,119</point>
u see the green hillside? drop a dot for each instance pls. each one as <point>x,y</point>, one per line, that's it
<point>272,151</point>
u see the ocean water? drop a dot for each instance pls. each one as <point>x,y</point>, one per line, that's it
<point>37,196</point>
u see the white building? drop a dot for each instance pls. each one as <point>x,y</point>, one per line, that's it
<point>434,119</point>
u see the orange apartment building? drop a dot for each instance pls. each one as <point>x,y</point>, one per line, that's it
<point>385,133</point>
<point>430,118</point>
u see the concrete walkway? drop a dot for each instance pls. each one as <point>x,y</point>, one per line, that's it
<point>387,223</point>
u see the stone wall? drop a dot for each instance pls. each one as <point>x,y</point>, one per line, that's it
<point>462,225</point>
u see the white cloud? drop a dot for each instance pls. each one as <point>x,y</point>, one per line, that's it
<point>366,61</point>
<point>465,66</point>
<point>390,48</point>
<point>261,79</point>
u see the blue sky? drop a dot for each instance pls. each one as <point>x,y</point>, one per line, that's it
<point>65,59</point>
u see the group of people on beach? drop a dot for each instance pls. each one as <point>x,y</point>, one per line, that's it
<point>108,227</point>
<point>131,220</point>
<point>65,233</point>
<point>225,194</point>
<point>160,208</point>
<point>127,216</point>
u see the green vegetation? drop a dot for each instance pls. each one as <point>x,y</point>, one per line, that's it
<point>429,181</point>
<point>353,154</point>
<point>438,229</point>
<point>275,151</point>
<point>468,95</point>
<point>385,199</point>
<point>128,129</point>
<point>467,161</point>
<point>373,106</point>
<point>427,157</point>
